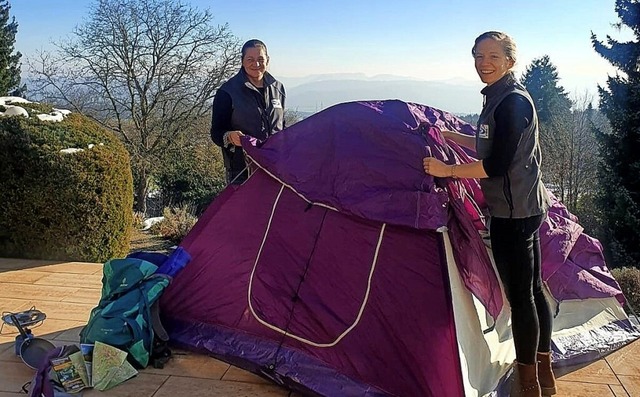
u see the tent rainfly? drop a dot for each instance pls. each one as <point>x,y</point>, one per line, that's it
<point>340,269</point>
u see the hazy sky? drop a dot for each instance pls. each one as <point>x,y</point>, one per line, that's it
<point>430,40</point>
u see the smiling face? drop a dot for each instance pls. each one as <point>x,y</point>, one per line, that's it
<point>255,62</point>
<point>491,61</point>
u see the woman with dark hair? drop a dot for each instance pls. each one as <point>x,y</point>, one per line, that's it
<point>509,171</point>
<point>249,103</point>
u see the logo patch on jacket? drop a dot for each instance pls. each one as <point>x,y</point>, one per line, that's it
<point>276,104</point>
<point>484,131</point>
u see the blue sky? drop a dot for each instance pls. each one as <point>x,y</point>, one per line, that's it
<point>429,40</point>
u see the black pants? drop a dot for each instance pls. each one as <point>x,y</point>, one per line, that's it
<point>235,165</point>
<point>516,251</point>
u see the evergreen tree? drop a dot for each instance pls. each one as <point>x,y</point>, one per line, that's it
<point>542,82</point>
<point>553,106</point>
<point>620,167</point>
<point>9,61</point>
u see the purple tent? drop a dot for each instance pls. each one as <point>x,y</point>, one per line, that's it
<point>333,268</point>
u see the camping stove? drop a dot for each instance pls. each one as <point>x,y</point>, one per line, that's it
<point>25,319</point>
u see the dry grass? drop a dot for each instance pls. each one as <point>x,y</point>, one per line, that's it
<point>143,240</point>
<point>176,223</point>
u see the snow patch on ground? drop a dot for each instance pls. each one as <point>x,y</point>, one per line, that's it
<point>9,102</point>
<point>72,150</point>
<point>4,100</point>
<point>146,225</point>
<point>15,111</point>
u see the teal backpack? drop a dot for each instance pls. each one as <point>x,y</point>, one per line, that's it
<point>123,316</point>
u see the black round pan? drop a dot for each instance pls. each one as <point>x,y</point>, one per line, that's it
<point>32,350</point>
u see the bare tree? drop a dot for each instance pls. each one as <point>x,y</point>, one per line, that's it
<point>291,117</point>
<point>589,185</point>
<point>555,137</point>
<point>147,69</point>
<point>583,156</point>
<point>571,151</point>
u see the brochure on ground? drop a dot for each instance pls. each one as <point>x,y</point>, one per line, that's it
<point>71,372</point>
<point>110,366</point>
<point>87,354</point>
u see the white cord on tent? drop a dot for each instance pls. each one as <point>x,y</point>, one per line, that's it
<point>286,333</point>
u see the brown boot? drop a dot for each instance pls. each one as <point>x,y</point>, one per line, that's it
<point>525,382</point>
<point>545,374</point>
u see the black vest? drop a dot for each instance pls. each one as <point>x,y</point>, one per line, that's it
<point>519,193</point>
<point>255,113</point>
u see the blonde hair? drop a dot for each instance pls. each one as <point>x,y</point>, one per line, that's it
<point>507,43</point>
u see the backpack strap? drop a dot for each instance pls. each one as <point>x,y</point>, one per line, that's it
<point>156,323</point>
<point>147,308</point>
<point>135,327</point>
<point>137,356</point>
<point>154,317</point>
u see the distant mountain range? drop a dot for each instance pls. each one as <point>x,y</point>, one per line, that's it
<point>313,93</point>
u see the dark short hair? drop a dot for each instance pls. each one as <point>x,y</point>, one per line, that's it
<point>253,43</point>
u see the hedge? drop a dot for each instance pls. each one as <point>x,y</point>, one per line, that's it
<point>63,206</point>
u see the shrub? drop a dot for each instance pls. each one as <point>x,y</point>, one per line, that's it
<point>629,280</point>
<point>191,174</point>
<point>138,219</point>
<point>176,224</point>
<point>64,206</point>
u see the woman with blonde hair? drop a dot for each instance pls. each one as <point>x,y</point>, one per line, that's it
<point>509,162</point>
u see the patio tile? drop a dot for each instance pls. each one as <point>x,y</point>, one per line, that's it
<point>183,386</point>
<point>4,394</point>
<point>64,310</point>
<point>8,354</point>
<point>619,391</point>
<point>576,389</point>
<point>192,365</point>
<point>13,305</point>
<point>625,360</point>
<point>597,372</point>
<point>68,267</point>
<point>13,376</point>
<point>85,295</point>
<point>71,335</point>
<point>93,281</point>
<point>631,384</point>
<point>6,344</point>
<point>45,293</point>
<point>143,385</point>
<point>236,374</point>
<point>22,277</point>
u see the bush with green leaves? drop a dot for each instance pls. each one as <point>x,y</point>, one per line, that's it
<point>629,280</point>
<point>73,205</point>
<point>191,174</point>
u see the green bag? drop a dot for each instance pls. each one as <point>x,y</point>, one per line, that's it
<point>122,318</point>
